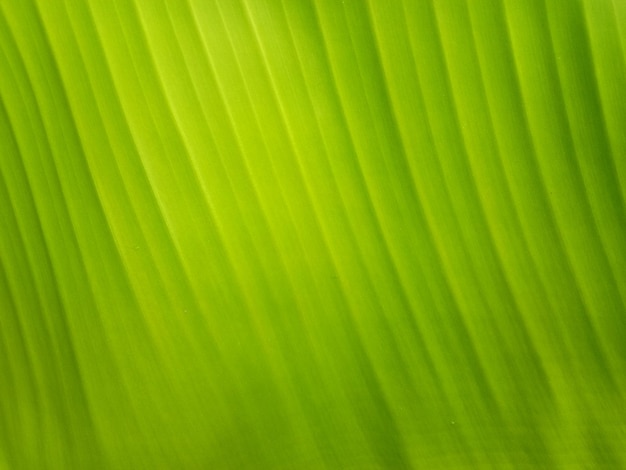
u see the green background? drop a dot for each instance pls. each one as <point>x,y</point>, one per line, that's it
<point>312,234</point>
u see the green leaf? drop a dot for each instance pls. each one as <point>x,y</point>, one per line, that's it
<point>312,234</point>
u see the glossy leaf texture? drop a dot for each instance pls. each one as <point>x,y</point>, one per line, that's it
<point>312,234</point>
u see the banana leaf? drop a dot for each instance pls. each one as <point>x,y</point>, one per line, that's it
<point>293,234</point>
